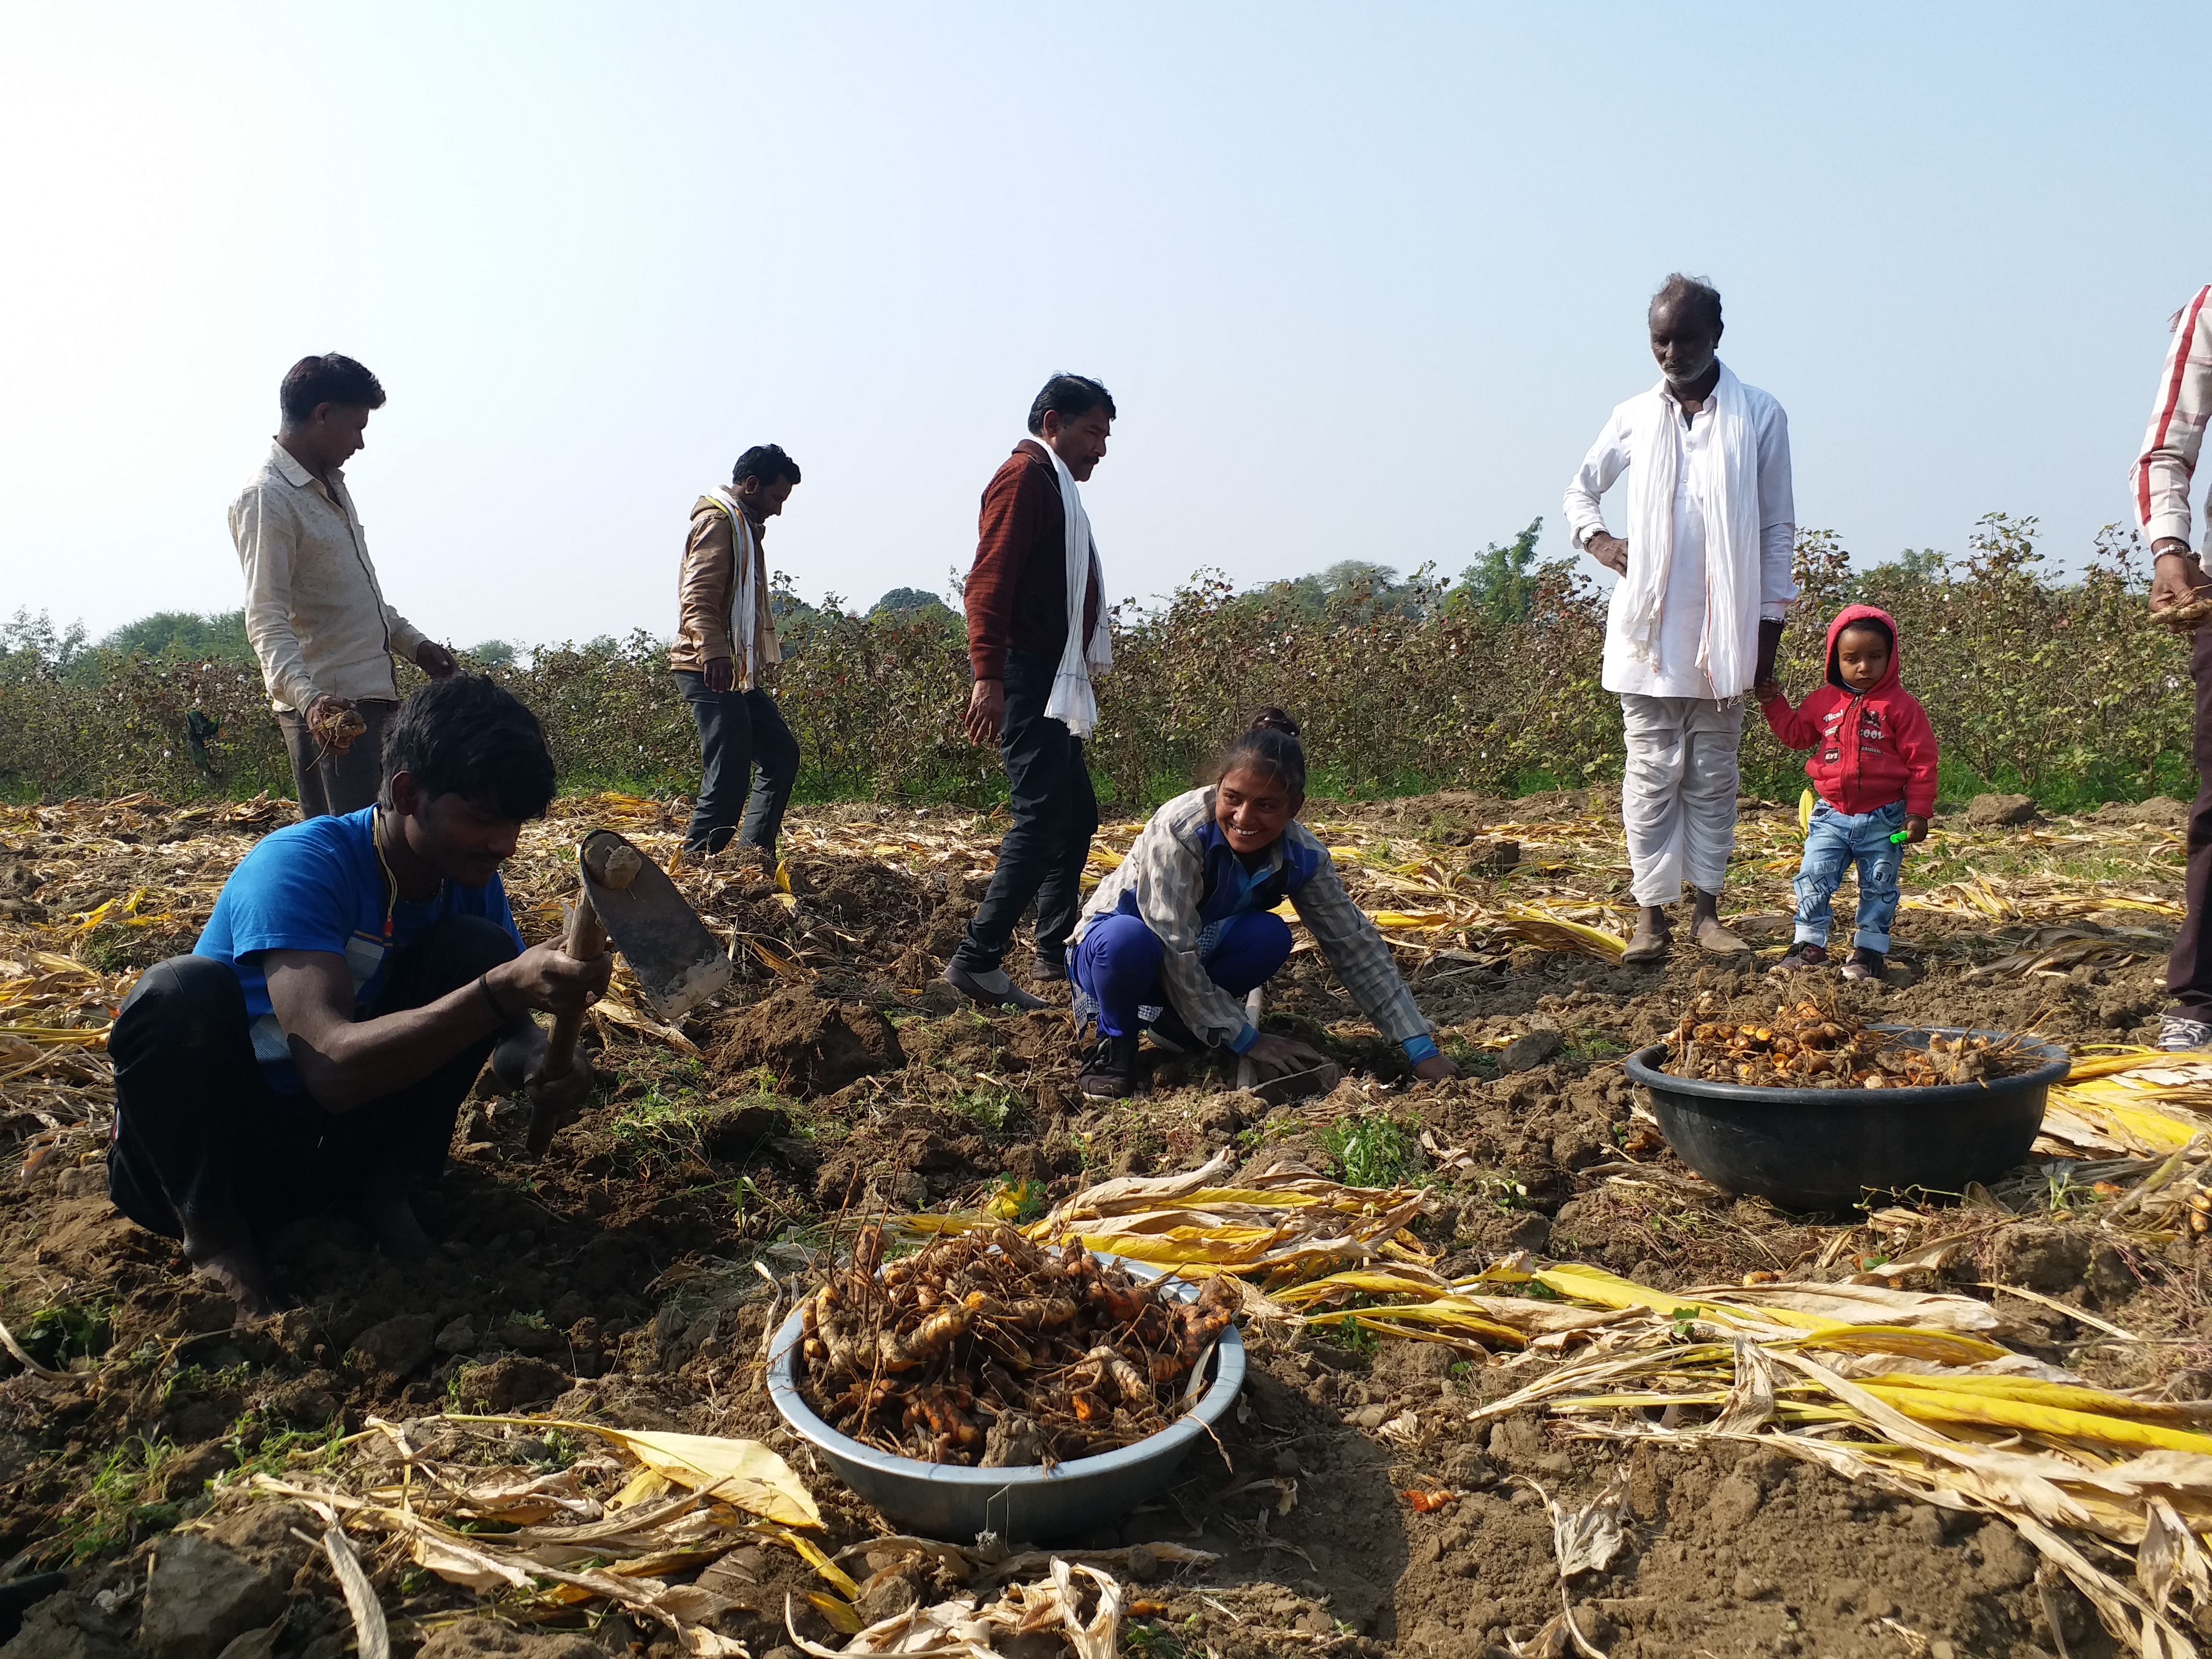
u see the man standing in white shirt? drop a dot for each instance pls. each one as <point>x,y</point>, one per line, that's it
<point>1694,621</point>
<point>314,609</point>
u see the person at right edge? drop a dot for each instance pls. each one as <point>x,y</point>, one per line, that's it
<point>725,656</point>
<point>1695,618</point>
<point>2160,483</point>
<point>1036,634</point>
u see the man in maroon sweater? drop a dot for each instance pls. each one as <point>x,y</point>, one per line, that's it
<point>1019,612</point>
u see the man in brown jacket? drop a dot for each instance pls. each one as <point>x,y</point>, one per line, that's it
<point>724,653</point>
<point>1032,694</point>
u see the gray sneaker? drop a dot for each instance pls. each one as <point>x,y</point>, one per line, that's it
<point>2178,1034</point>
<point>991,987</point>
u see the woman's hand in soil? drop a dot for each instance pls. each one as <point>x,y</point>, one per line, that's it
<point>1435,1069</point>
<point>1916,829</point>
<point>1281,1056</point>
<point>546,976</point>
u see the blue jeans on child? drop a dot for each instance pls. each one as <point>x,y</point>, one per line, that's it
<point>1117,964</point>
<point>1835,840</point>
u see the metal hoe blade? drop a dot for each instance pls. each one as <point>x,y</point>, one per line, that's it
<point>679,964</point>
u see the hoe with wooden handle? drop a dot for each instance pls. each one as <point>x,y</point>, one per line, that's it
<point>611,863</point>
<point>628,902</point>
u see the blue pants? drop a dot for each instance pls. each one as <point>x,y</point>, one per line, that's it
<point>1117,964</point>
<point>1833,841</point>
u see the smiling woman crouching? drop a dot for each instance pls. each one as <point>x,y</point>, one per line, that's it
<point>1173,941</point>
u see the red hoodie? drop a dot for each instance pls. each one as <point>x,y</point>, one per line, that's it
<point>1869,747</point>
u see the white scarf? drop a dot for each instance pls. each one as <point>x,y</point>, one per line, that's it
<point>745,591</point>
<point>1728,643</point>
<point>1072,701</point>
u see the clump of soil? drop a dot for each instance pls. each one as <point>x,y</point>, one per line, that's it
<point>809,1044</point>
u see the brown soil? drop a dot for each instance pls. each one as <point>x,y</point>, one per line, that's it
<point>613,1278</point>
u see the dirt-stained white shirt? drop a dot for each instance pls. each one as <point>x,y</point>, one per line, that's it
<point>313,608</point>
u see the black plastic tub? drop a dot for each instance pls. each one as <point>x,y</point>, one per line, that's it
<point>1826,1149</point>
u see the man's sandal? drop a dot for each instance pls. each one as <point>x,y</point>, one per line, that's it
<point>1645,946</point>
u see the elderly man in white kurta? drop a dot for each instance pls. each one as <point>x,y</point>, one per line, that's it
<point>1704,585</point>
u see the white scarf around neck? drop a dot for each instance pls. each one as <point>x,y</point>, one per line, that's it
<point>745,591</point>
<point>1073,702</point>
<point>1728,642</point>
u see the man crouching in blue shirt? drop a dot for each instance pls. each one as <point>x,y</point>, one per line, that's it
<point>313,1050</point>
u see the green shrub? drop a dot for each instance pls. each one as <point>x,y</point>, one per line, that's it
<point>2065,691</point>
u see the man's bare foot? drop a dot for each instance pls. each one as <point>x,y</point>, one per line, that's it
<point>236,1267</point>
<point>392,1220</point>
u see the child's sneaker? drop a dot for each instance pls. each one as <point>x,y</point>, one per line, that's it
<point>1865,964</point>
<point>1802,956</point>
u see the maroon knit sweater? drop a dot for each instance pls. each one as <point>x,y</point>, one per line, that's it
<point>1017,593</point>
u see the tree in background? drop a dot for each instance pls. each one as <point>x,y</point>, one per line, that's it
<point>1501,584</point>
<point>32,646</point>
<point>494,653</point>
<point>910,606</point>
<point>217,636</point>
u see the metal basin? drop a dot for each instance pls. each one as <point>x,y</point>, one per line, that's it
<point>1030,1504</point>
<point>1826,1149</point>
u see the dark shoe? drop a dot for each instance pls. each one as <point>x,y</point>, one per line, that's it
<point>1646,945</point>
<point>1802,956</point>
<point>1172,1035</point>
<point>992,988</point>
<point>1110,1073</point>
<point>1865,964</point>
<point>1049,971</point>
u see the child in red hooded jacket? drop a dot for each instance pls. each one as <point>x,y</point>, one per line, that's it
<point>1873,765</point>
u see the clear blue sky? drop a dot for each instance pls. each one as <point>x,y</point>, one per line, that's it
<point>1364,279</point>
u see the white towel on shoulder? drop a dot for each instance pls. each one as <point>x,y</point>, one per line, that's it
<point>1072,701</point>
<point>745,591</point>
<point>1726,653</point>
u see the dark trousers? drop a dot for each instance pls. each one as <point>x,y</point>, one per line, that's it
<point>1055,814</point>
<point>199,1135</point>
<point>328,783</point>
<point>749,761</point>
<point>2189,969</point>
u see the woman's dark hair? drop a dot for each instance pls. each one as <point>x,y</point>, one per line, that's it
<point>766,462</point>
<point>465,735</point>
<point>1071,397</point>
<point>1269,744</point>
<point>314,381</point>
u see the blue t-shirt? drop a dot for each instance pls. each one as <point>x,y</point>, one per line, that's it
<point>319,885</point>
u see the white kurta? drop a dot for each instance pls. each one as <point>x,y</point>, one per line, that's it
<point>1683,618</point>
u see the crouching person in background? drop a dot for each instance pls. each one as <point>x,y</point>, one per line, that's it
<point>313,1052</point>
<point>1177,937</point>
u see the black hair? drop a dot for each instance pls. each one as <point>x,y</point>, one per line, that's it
<point>1071,397</point>
<point>1269,744</point>
<point>1692,291</point>
<point>465,735</point>
<point>314,381</point>
<point>766,462</point>
<point>1873,625</point>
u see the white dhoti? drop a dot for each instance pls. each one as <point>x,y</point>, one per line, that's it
<point>1678,792</point>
